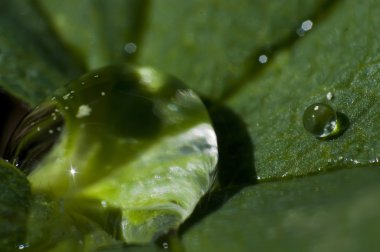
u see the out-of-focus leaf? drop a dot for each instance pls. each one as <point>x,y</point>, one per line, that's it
<point>331,212</point>
<point>32,62</point>
<point>98,32</point>
<point>210,44</point>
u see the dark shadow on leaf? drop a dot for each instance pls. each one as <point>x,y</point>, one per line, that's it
<point>12,111</point>
<point>235,166</point>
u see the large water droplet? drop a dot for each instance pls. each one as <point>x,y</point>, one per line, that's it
<point>113,147</point>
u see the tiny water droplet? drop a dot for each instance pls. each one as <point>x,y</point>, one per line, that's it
<point>306,26</point>
<point>263,59</point>
<point>320,120</point>
<point>130,48</point>
<point>103,93</point>
<point>51,131</point>
<point>96,76</point>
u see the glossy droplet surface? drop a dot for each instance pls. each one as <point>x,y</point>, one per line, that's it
<point>321,120</point>
<point>124,138</point>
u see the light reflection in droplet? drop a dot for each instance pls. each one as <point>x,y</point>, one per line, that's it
<point>83,111</point>
<point>104,203</point>
<point>23,246</point>
<point>329,96</point>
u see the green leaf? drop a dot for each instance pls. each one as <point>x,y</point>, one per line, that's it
<point>214,47</point>
<point>340,55</point>
<point>14,206</point>
<point>210,44</point>
<point>32,62</point>
<point>338,211</point>
<point>98,32</point>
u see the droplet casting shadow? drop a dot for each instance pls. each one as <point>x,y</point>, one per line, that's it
<point>235,166</point>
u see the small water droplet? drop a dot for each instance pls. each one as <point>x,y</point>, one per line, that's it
<point>82,83</point>
<point>103,93</point>
<point>38,128</point>
<point>130,48</point>
<point>263,59</point>
<point>320,120</point>
<point>96,76</point>
<point>306,26</point>
<point>51,131</point>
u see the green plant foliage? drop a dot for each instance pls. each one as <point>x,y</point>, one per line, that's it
<point>258,64</point>
<point>330,212</point>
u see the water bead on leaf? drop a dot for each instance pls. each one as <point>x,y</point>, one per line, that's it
<point>320,119</point>
<point>116,143</point>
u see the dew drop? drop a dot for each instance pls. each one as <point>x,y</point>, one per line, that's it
<point>320,120</point>
<point>263,59</point>
<point>130,48</point>
<point>306,26</point>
